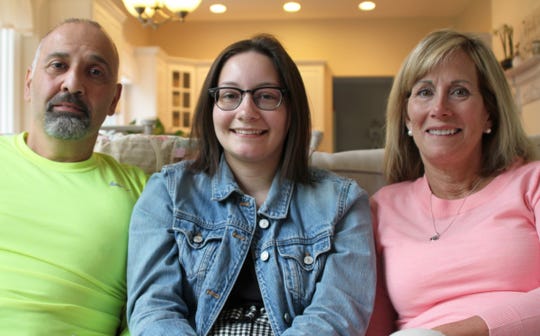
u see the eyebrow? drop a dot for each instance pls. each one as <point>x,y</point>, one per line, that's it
<point>457,81</point>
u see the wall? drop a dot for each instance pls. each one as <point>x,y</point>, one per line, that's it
<point>513,13</point>
<point>373,47</point>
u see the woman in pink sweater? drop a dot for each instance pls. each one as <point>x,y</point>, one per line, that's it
<point>456,231</point>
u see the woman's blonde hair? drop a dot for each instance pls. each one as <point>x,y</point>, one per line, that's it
<point>500,148</point>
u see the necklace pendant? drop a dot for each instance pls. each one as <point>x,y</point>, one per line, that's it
<point>435,237</point>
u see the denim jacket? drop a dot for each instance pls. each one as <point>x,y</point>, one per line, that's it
<point>312,247</point>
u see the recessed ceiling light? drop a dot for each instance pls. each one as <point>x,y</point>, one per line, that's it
<point>292,7</point>
<point>366,5</point>
<point>218,8</point>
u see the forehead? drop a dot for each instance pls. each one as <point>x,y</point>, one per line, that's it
<point>457,63</point>
<point>249,65</point>
<point>79,40</point>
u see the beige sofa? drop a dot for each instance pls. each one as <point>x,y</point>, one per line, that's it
<point>151,152</point>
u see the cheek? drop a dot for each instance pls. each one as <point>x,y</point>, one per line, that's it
<point>280,119</point>
<point>409,114</point>
<point>221,119</point>
<point>415,112</point>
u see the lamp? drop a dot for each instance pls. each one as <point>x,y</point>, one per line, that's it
<point>156,12</point>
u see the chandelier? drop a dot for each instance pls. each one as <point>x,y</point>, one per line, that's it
<point>155,12</point>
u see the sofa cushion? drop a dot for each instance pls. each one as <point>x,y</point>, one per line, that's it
<point>363,165</point>
<point>149,152</point>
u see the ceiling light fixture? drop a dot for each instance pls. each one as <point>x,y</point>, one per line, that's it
<point>291,7</point>
<point>156,12</point>
<point>367,5</point>
<point>218,8</point>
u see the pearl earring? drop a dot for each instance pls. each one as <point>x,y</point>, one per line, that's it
<point>409,133</point>
<point>488,131</point>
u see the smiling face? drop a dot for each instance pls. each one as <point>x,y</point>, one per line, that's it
<point>447,115</point>
<point>247,133</point>
<point>72,86</point>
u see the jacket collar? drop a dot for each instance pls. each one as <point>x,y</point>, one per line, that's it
<point>277,202</point>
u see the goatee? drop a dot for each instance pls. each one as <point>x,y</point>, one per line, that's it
<point>65,125</point>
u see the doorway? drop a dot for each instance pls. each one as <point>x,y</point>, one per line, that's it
<point>359,112</point>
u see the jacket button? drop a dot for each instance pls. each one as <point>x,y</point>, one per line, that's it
<point>264,223</point>
<point>197,239</point>
<point>308,260</point>
<point>287,318</point>
<point>265,256</point>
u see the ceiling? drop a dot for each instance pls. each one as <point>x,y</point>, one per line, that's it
<point>239,10</point>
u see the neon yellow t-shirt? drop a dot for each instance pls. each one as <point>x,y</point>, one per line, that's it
<point>63,241</point>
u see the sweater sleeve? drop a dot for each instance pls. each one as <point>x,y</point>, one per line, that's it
<point>520,315</point>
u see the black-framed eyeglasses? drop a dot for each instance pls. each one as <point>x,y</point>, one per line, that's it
<point>266,98</point>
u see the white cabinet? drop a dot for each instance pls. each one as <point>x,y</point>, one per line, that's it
<point>165,88</point>
<point>180,86</point>
<point>147,92</point>
<point>318,82</point>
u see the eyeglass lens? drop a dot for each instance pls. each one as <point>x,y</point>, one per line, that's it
<point>265,98</point>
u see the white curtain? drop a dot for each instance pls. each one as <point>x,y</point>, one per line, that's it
<point>7,94</point>
<point>15,20</point>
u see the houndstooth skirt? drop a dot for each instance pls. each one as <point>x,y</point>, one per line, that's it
<point>244,321</point>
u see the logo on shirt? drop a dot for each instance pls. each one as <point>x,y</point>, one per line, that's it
<point>116,184</point>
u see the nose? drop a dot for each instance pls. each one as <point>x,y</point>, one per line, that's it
<point>73,82</point>
<point>441,107</point>
<point>247,108</point>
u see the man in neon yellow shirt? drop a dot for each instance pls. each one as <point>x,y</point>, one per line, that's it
<point>65,210</point>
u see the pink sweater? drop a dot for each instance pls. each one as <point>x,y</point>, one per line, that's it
<point>487,263</point>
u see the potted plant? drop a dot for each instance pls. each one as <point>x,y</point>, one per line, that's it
<point>505,33</point>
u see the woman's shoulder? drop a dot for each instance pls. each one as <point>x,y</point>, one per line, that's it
<point>399,190</point>
<point>521,169</point>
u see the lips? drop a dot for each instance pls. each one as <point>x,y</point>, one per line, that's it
<point>68,107</point>
<point>67,103</point>
<point>444,132</point>
<point>248,131</point>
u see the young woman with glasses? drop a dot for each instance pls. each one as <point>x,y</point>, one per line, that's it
<point>246,239</point>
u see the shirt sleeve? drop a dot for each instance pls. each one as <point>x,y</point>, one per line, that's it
<point>155,304</point>
<point>520,315</point>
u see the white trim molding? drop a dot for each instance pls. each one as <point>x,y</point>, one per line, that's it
<point>525,80</point>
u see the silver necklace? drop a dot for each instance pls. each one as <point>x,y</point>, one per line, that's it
<point>438,234</point>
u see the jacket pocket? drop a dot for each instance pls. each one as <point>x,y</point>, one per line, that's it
<point>197,244</point>
<point>302,261</point>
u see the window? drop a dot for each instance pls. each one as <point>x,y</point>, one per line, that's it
<point>7,68</point>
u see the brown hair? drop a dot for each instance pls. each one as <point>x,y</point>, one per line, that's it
<point>294,160</point>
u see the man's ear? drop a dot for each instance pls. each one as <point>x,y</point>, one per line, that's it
<point>27,83</point>
<point>116,99</point>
